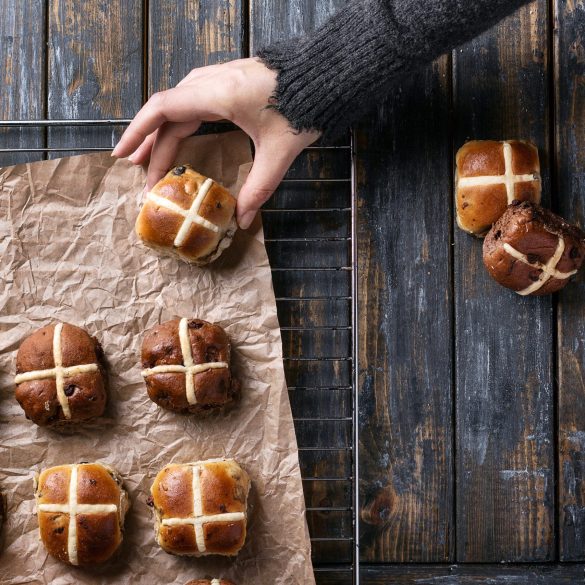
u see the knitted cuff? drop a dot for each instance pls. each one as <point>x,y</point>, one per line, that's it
<point>330,78</point>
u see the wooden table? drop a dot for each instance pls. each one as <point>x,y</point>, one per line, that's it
<point>471,417</point>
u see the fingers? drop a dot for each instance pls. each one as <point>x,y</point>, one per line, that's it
<point>265,176</point>
<point>148,119</point>
<point>142,154</point>
<point>180,104</point>
<point>165,148</point>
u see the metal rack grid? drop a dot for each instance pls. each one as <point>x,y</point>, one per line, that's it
<point>349,540</point>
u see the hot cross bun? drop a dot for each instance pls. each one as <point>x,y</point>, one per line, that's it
<point>533,251</point>
<point>187,367</point>
<point>490,175</point>
<point>81,510</point>
<point>201,508</point>
<point>60,377</point>
<point>188,215</point>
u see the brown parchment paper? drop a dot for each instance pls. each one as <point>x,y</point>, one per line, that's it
<point>69,253</point>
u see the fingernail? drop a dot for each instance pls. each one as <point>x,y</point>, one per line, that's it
<point>115,151</point>
<point>247,219</point>
<point>131,158</point>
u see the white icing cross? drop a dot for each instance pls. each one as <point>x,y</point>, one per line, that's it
<point>215,582</point>
<point>549,270</point>
<point>508,178</point>
<point>73,509</point>
<point>189,368</point>
<point>191,215</point>
<point>58,372</point>
<point>198,519</point>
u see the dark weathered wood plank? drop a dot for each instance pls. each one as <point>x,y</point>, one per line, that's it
<point>505,442</point>
<point>95,67</point>
<point>472,575</point>
<point>569,200</point>
<point>334,577</point>
<point>22,30</point>
<point>185,34</point>
<point>405,359</point>
<point>272,21</point>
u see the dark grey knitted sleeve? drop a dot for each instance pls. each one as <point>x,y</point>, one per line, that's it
<point>331,78</point>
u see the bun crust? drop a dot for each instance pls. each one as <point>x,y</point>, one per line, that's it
<point>189,216</point>
<point>77,396</point>
<point>526,239</point>
<point>201,508</point>
<point>202,382</point>
<point>490,175</point>
<point>81,510</point>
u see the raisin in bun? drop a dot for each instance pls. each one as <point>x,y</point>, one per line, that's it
<point>533,251</point>
<point>60,376</point>
<point>188,215</point>
<point>187,367</point>
<point>81,510</point>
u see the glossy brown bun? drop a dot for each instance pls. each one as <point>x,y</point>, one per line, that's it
<point>523,241</point>
<point>94,533</point>
<point>201,515</point>
<point>212,386</point>
<point>47,400</point>
<point>160,222</point>
<point>488,162</point>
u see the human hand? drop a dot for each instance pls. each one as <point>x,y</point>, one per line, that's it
<point>238,91</point>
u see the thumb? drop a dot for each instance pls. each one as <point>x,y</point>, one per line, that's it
<point>266,174</point>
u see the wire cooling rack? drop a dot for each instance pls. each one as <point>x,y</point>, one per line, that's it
<point>312,251</point>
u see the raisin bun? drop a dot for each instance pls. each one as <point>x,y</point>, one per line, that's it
<point>187,367</point>
<point>60,376</point>
<point>81,510</point>
<point>201,508</point>
<point>188,215</point>
<point>490,175</point>
<point>533,251</point>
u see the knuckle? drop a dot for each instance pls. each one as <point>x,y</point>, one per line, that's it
<point>158,99</point>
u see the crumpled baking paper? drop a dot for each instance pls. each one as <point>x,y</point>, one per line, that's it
<point>69,253</point>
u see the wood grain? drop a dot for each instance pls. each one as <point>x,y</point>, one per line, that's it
<point>405,353</point>
<point>184,34</point>
<point>569,201</point>
<point>23,87</point>
<point>543,574</point>
<point>95,68</point>
<point>505,449</point>
<point>272,21</point>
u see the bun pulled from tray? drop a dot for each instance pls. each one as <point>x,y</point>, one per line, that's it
<point>60,377</point>
<point>188,215</point>
<point>201,508</point>
<point>187,367</point>
<point>533,251</point>
<point>490,175</point>
<point>81,510</point>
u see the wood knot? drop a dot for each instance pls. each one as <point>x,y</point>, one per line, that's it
<point>378,509</point>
